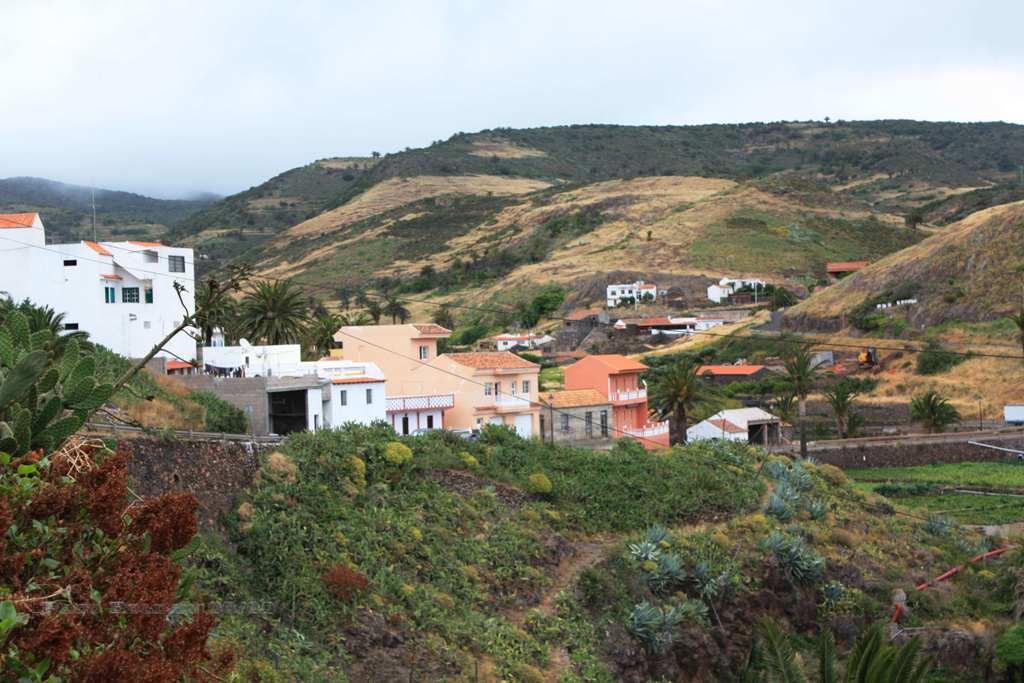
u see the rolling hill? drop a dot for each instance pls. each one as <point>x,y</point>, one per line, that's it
<point>971,271</point>
<point>67,209</point>
<point>560,203</point>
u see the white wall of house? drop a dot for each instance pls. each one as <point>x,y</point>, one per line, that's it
<point>417,419</point>
<point>257,361</point>
<point>350,403</point>
<point>631,290</point>
<point>314,409</point>
<point>102,288</point>
<point>706,430</point>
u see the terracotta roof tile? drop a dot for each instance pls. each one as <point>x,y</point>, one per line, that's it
<point>110,276</point>
<point>145,244</point>
<point>729,369</point>
<point>17,220</point>
<point>97,247</point>
<point>432,329</point>
<point>581,313</point>
<point>355,380</point>
<point>178,365</point>
<point>574,398</point>
<point>725,426</point>
<point>618,363</point>
<point>844,266</point>
<point>491,360</point>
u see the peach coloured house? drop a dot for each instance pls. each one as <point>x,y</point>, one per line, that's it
<point>415,400</point>
<point>618,378</point>
<point>490,387</point>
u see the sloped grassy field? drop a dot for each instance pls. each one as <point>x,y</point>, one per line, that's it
<point>431,558</point>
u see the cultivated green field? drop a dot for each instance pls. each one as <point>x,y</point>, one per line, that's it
<point>1000,475</point>
<point>921,488</point>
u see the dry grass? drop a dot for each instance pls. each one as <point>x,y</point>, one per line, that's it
<point>988,241</point>
<point>160,414</point>
<point>395,192</point>
<point>503,149</point>
<point>346,162</point>
<point>172,385</point>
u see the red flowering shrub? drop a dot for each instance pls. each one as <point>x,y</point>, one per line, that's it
<point>79,576</point>
<point>344,583</point>
<point>169,519</point>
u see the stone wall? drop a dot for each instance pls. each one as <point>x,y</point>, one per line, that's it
<point>901,454</point>
<point>214,472</point>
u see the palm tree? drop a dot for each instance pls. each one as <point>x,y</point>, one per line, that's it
<point>840,398</point>
<point>444,317</point>
<point>344,297</point>
<point>872,660</point>
<point>374,310</point>
<point>321,333</point>
<point>274,312</point>
<point>213,310</point>
<point>362,299</point>
<point>673,392</point>
<point>1018,320</point>
<point>933,410</point>
<point>802,373</point>
<point>394,308</point>
<point>357,319</point>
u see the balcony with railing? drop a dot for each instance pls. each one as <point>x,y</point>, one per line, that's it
<point>630,395</point>
<point>402,404</point>
<point>505,403</point>
<point>648,431</point>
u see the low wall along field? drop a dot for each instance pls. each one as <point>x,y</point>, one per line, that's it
<point>925,452</point>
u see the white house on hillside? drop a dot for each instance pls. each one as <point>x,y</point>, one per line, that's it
<point>325,393</point>
<point>634,291</point>
<point>750,425</point>
<point>726,287</point>
<point>526,340</point>
<point>121,293</point>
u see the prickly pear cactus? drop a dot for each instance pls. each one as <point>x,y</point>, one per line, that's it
<point>45,394</point>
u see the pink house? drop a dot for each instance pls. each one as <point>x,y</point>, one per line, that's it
<point>618,378</point>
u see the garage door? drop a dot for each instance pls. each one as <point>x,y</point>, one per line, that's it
<point>524,426</point>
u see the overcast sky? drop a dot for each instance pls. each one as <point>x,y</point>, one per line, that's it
<point>167,98</point>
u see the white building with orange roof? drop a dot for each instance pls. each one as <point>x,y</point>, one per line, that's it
<point>121,293</point>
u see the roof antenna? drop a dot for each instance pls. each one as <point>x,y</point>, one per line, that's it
<point>93,188</point>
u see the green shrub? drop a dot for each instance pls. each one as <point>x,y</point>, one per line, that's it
<point>540,483</point>
<point>935,359</point>
<point>219,415</point>
<point>1010,646</point>
<point>397,453</point>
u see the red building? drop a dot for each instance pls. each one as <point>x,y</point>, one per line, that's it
<point>618,378</point>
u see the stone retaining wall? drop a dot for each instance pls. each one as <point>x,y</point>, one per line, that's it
<point>895,454</point>
<point>214,472</point>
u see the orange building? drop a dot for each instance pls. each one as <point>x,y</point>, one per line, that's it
<point>618,378</point>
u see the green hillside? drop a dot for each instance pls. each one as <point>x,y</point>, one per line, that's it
<point>246,219</point>
<point>67,209</point>
<point>431,558</point>
<point>956,154</point>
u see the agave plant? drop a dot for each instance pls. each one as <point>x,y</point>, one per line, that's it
<point>656,534</point>
<point>816,508</point>
<point>669,573</point>
<point>645,551</point>
<point>800,564</point>
<point>937,525</point>
<point>654,627</point>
